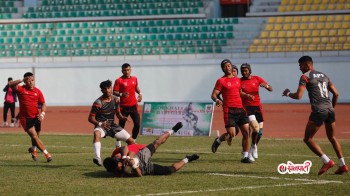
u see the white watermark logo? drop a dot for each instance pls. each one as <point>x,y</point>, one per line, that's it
<point>292,168</point>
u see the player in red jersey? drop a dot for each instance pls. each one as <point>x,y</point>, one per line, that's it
<point>126,88</point>
<point>30,98</point>
<point>319,87</point>
<point>250,84</point>
<point>234,114</point>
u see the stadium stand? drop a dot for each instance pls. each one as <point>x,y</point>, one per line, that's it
<point>66,28</point>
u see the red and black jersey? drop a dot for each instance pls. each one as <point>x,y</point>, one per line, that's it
<point>29,99</point>
<point>105,111</point>
<point>230,90</point>
<point>251,86</point>
<point>126,85</point>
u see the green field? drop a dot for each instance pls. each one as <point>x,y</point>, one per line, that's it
<point>73,173</point>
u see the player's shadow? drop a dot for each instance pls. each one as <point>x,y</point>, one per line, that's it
<point>99,174</point>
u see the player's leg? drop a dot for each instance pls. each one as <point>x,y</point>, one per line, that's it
<point>162,138</point>
<point>245,144</point>
<point>4,116</point>
<point>135,116</point>
<point>310,131</point>
<point>167,170</point>
<point>330,129</point>
<point>12,110</point>
<point>38,143</point>
<point>98,134</point>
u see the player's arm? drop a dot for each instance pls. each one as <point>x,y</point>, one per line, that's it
<point>138,91</point>
<point>335,93</point>
<point>296,95</point>
<point>215,97</point>
<point>14,84</point>
<point>245,95</point>
<point>266,86</point>
<point>119,115</point>
<point>43,110</point>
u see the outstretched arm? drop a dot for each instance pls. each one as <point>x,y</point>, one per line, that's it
<point>296,95</point>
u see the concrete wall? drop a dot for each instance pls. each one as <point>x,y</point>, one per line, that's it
<point>166,80</point>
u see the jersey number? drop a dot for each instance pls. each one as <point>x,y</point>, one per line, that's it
<point>323,89</point>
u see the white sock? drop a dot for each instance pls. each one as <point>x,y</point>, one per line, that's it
<point>97,149</point>
<point>218,140</point>
<point>185,160</point>
<point>45,151</point>
<point>34,148</point>
<point>118,143</point>
<point>341,162</point>
<point>170,131</point>
<point>324,159</point>
<point>245,154</point>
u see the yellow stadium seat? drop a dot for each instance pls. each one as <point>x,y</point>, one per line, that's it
<point>338,17</point>
<point>322,18</point>
<point>256,41</point>
<point>278,49</point>
<point>323,7</point>
<point>284,2</point>
<point>269,27</point>
<point>333,40</point>
<point>299,33</point>
<point>324,40</point>
<point>328,25</point>
<point>341,32</point>
<point>307,33</point>
<point>307,7</point>
<point>300,2</point>
<point>316,2</point>
<point>277,27</point>
<point>273,33</point>
<point>337,25</point>
<point>308,2</point>
<point>282,8</point>
<point>296,19</point>
<point>288,19</point>
<point>324,32</point>
<point>342,39</point>
<point>303,26</point>
<point>273,41</point>
<point>313,18</point>
<point>290,41</point>
<point>315,33</point>
<point>264,34</point>
<point>347,17</point>
<point>305,19</point>
<point>331,18</point>
<point>307,40</point>
<point>345,25</point>
<point>347,32</point>
<point>320,25</point>
<point>325,1</point>
<point>287,26</point>
<point>298,8</point>
<point>293,2</point>
<point>264,42</point>
<point>316,40</point>
<point>332,32</point>
<point>295,26</point>
<point>299,40</point>
<point>282,41</point>
<point>290,33</point>
<point>281,34</point>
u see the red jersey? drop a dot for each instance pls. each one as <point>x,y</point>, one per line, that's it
<point>251,86</point>
<point>132,148</point>
<point>28,101</point>
<point>230,90</point>
<point>126,85</point>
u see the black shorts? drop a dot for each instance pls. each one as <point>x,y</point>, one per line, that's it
<point>327,116</point>
<point>33,122</point>
<point>257,111</point>
<point>235,116</point>
<point>127,110</point>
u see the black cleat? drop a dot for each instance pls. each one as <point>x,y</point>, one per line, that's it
<point>177,127</point>
<point>246,160</point>
<point>192,157</point>
<point>215,145</point>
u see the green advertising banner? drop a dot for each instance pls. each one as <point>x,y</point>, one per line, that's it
<point>158,117</point>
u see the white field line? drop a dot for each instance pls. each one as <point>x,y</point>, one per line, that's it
<point>305,182</point>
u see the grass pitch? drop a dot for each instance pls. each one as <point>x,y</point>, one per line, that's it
<point>72,172</point>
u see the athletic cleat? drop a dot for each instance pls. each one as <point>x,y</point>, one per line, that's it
<point>341,170</point>
<point>254,151</point>
<point>97,161</point>
<point>4,124</point>
<point>250,157</point>
<point>246,160</point>
<point>192,157</point>
<point>33,153</point>
<point>177,127</point>
<point>48,157</point>
<point>325,167</point>
<point>12,125</point>
<point>215,145</point>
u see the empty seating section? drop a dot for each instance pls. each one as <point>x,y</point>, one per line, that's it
<point>7,8</point>
<point>313,5</point>
<point>173,36</point>
<point>96,8</point>
<point>304,33</point>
